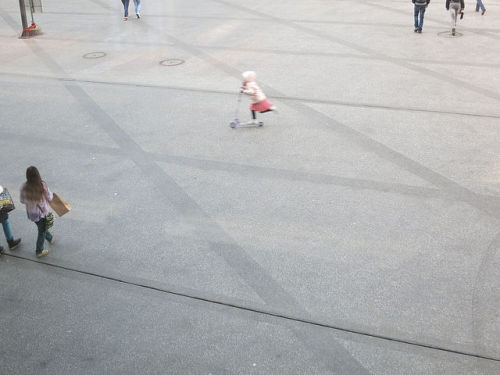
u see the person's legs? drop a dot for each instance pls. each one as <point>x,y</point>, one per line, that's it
<point>125,7</point>
<point>415,16</point>
<point>41,235</point>
<point>479,5</point>
<point>49,236</point>
<point>7,230</point>
<point>422,12</point>
<point>453,14</point>
<point>137,6</point>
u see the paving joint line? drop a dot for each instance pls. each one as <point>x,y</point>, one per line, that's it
<point>278,97</point>
<point>261,311</point>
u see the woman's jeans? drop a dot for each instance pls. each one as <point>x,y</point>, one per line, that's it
<point>479,4</point>
<point>7,230</point>
<point>137,6</point>
<point>43,234</point>
<point>125,7</point>
<point>419,9</point>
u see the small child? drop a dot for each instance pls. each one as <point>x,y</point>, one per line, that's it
<point>258,98</point>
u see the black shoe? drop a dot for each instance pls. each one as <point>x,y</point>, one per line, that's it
<point>461,15</point>
<point>416,29</point>
<point>420,31</point>
<point>482,13</point>
<point>2,250</point>
<point>14,244</point>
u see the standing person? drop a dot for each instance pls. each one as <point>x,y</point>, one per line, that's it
<point>257,97</point>
<point>35,194</point>
<point>420,6</point>
<point>137,4</point>
<point>455,7</point>
<point>7,230</point>
<point>479,4</point>
<point>125,9</point>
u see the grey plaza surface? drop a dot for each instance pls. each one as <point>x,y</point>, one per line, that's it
<point>357,232</point>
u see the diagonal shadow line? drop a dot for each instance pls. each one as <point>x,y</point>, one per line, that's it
<point>278,96</point>
<point>247,170</point>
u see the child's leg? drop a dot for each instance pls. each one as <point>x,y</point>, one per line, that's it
<point>254,115</point>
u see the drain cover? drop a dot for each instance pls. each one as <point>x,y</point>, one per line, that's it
<point>171,62</point>
<point>447,34</point>
<point>94,55</point>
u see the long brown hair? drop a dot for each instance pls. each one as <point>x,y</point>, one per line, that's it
<point>33,188</point>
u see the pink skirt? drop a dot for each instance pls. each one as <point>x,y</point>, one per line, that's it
<point>261,106</point>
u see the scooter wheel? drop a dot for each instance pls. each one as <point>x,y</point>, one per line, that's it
<point>232,124</point>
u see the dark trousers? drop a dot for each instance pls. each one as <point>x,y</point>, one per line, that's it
<point>419,9</point>
<point>125,7</point>
<point>43,234</point>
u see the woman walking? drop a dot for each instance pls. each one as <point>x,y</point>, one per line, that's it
<point>7,230</point>
<point>35,194</point>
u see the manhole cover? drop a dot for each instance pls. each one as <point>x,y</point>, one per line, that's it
<point>94,55</point>
<point>447,34</point>
<point>171,62</point>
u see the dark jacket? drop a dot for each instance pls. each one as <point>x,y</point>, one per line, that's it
<point>462,4</point>
<point>421,2</point>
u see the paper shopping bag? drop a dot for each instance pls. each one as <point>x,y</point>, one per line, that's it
<point>59,205</point>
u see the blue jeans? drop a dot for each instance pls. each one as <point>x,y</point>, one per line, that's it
<point>419,9</point>
<point>125,7</point>
<point>137,6</point>
<point>7,230</point>
<point>43,234</point>
<point>479,4</point>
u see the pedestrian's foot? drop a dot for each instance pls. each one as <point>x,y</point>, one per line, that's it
<point>125,18</point>
<point>138,15</point>
<point>482,13</point>
<point>452,31</point>
<point>2,250</point>
<point>53,239</point>
<point>42,253</point>
<point>420,31</point>
<point>14,244</point>
<point>416,29</point>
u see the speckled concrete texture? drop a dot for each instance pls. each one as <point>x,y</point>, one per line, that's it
<point>357,232</point>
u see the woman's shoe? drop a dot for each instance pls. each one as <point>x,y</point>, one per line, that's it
<point>42,253</point>
<point>138,15</point>
<point>14,244</point>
